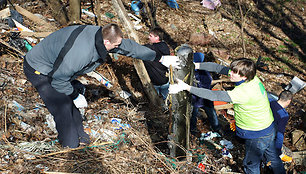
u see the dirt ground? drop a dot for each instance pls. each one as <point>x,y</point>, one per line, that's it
<point>273,31</point>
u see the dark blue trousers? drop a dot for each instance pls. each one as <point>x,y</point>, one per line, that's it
<point>67,117</point>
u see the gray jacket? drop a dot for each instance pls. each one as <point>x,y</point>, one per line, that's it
<point>86,54</point>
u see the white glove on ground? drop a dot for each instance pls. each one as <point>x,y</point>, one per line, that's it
<point>180,86</point>
<point>80,101</point>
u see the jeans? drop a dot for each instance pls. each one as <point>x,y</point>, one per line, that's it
<point>67,117</point>
<point>259,148</point>
<point>211,115</point>
<point>162,90</point>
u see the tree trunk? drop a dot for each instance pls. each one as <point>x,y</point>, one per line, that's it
<point>138,64</point>
<point>58,11</point>
<point>98,11</point>
<point>181,107</point>
<point>75,11</point>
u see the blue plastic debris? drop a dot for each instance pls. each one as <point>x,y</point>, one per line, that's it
<point>118,124</point>
<point>136,5</point>
<point>173,4</point>
<point>19,107</point>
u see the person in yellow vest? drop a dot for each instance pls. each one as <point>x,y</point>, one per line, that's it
<point>253,115</point>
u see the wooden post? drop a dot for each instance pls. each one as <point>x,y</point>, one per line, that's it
<point>75,11</point>
<point>58,11</point>
<point>138,64</point>
<point>181,108</point>
<point>98,11</point>
<point>149,13</point>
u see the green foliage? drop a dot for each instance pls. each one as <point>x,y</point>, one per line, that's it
<point>282,49</point>
<point>266,59</point>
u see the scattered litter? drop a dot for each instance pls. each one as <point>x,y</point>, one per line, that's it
<point>173,4</point>
<point>227,144</point>
<point>92,132</point>
<point>201,166</point>
<point>88,13</point>
<point>108,135</point>
<point>124,94</point>
<point>16,41</point>
<point>211,4</point>
<point>136,6</point>
<point>26,127</point>
<point>136,22</point>
<point>226,169</point>
<point>295,85</point>
<point>118,124</point>
<point>109,15</point>
<point>51,123</point>
<point>20,27</point>
<point>285,158</point>
<point>37,147</point>
<point>19,106</point>
<point>43,168</point>
<point>226,153</point>
<point>100,78</point>
<point>209,135</point>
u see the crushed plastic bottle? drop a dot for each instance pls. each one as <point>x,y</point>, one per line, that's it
<point>118,125</point>
<point>227,144</point>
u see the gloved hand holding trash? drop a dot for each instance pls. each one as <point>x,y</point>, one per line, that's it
<point>178,87</point>
<point>80,101</point>
<point>170,60</point>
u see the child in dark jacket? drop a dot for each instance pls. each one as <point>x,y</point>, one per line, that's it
<point>203,80</point>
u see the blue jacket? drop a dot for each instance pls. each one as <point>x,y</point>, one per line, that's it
<point>203,80</point>
<point>281,118</point>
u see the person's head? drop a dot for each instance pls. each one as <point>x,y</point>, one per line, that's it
<point>285,98</point>
<point>156,35</point>
<point>112,36</point>
<point>242,69</point>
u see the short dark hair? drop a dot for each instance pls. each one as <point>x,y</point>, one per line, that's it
<point>111,32</point>
<point>244,67</point>
<point>158,32</point>
<point>285,96</point>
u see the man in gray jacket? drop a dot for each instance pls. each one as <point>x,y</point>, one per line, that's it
<point>63,56</point>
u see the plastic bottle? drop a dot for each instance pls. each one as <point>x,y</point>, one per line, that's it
<point>27,45</point>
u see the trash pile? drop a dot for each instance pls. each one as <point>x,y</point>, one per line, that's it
<point>128,135</point>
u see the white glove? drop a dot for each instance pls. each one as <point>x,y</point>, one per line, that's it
<point>80,101</point>
<point>180,86</point>
<point>170,60</point>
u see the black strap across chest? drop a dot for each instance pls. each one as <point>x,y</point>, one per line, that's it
<point>68,45</point>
